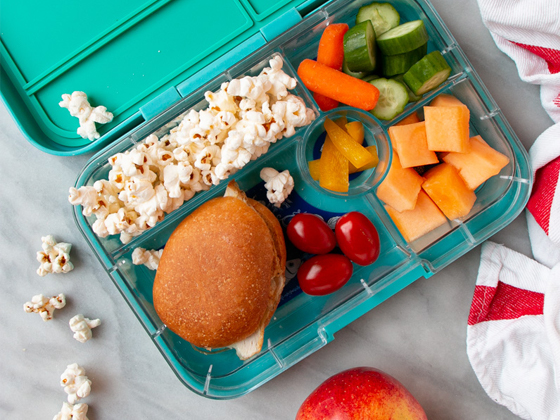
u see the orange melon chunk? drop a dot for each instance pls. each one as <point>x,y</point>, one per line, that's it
<point>411,144</point>
<point>481,163</point>
<point>425,217</point>
<point>333,168</point>
<point>446,100</point>
<point>448,190</point>
<point>411,119</point>
<point>400,187</point>
<point>447,128</point>
<point>350,149</point>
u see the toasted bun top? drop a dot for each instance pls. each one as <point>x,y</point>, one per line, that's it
<point>213,284</point>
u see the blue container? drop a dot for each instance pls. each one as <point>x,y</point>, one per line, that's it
<point>302,324</point>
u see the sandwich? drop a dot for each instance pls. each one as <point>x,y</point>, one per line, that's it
<point>221,274</point>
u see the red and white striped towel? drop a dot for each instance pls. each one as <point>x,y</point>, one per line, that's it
<point>513,333</point>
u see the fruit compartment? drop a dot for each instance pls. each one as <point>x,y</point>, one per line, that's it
<point>302,324</point>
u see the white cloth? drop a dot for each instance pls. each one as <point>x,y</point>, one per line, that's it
<point>513,337</point>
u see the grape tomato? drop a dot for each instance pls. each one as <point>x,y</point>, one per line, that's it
<point>357,238</point>
<point>324,274</point>
<point>311,234</point>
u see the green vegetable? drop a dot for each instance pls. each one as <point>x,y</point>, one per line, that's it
<point>412,97</point>
<point>400,63</point>
<point>383,17</point>
<point>403,38</point>
<point>428,73</point>
<point>393,97</point>
<point>359,48</point>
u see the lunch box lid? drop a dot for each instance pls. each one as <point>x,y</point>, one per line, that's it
<point>135,59</point>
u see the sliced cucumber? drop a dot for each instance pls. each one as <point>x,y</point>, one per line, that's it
<point>393,97</point>
<point>370,78</point>
<point>400,63</point>
<point>359,47</point>
<point>428,73</point>
<point>356,74</point>
<point>412,97</point>
<point>403,38</point>
<point>383,17</point>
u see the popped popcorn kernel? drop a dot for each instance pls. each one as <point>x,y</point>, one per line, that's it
<point>79,107</point>
<point>279,185</point>
<point>72,412</point>
<point>81,327</point>
<point>149,257</point>
<point>55,257</point>
<point>75,382</point>
<point>45,306</point>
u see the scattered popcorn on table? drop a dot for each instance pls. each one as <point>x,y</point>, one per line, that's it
<point>156,177</point>
<point>279,185</point>
<point>148,257</point>
<point>82,327</point>
<point>79,107</point>
<point>45,306</point>
<point>75,382</point>
<point>72,412</point>
<point>55,257</point>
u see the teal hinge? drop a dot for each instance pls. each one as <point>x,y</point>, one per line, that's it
<point>160,103</point>
<point>281,24</point>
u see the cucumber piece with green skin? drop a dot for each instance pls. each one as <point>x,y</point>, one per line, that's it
<point>412,97</point>
<point>356,74</point>
<point>359,47</point>
<point>393,97</point>
<point>383,17</point>
<point>428,73</point>
<point>403,38</point>
<point>400,63</point>
<point>370,78</point>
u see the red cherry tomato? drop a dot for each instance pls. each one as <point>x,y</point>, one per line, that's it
<point>311,234</point>
<point>324,274</point>
<point>357,238</point>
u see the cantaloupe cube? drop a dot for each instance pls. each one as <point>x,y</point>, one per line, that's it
<point>447,128</point>
<point>448,190</point>
<point>481,163</point>
<point>413,224</point>
<point>411,119</point>
<point>446,100</point>
<point>400,187</point>
<point>411,144</point>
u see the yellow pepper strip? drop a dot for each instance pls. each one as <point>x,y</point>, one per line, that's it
<point>315,171</point>
<point>350,149</point>
<point>356,131</point>
<point>333,168</point>
<point>341,122</point>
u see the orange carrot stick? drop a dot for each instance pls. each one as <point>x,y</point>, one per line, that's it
<point>331,46</point>
<point>324,102</point>
<point>337,85</point>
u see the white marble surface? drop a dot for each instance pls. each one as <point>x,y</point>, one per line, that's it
<point>418,336</point>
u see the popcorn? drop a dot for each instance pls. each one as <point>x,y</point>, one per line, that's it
<point>75,382</point>
<point>79,107</point>
<point>72,412</point>
<point>278,185</point>
<point>55,257</point>
<point>45,306</point>
<point>82,327</point>
<point>150,258</point>
<point>243,118</point>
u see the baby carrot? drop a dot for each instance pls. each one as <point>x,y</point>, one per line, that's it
<point>337,85</point>
<point>331,46</point>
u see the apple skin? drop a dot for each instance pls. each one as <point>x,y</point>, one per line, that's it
<point>361,393</point>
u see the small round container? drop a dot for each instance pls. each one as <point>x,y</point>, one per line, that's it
<point>374,135</point>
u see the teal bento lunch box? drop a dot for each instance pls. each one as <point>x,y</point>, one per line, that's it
<point>151,64</point>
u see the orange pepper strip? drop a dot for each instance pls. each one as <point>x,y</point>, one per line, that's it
<point>350,149</point>
<point>333,168</point>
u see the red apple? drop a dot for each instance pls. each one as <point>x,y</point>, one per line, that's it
<point>360,394</point>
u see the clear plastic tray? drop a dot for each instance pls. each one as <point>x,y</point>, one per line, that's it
<point>302,324</point>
